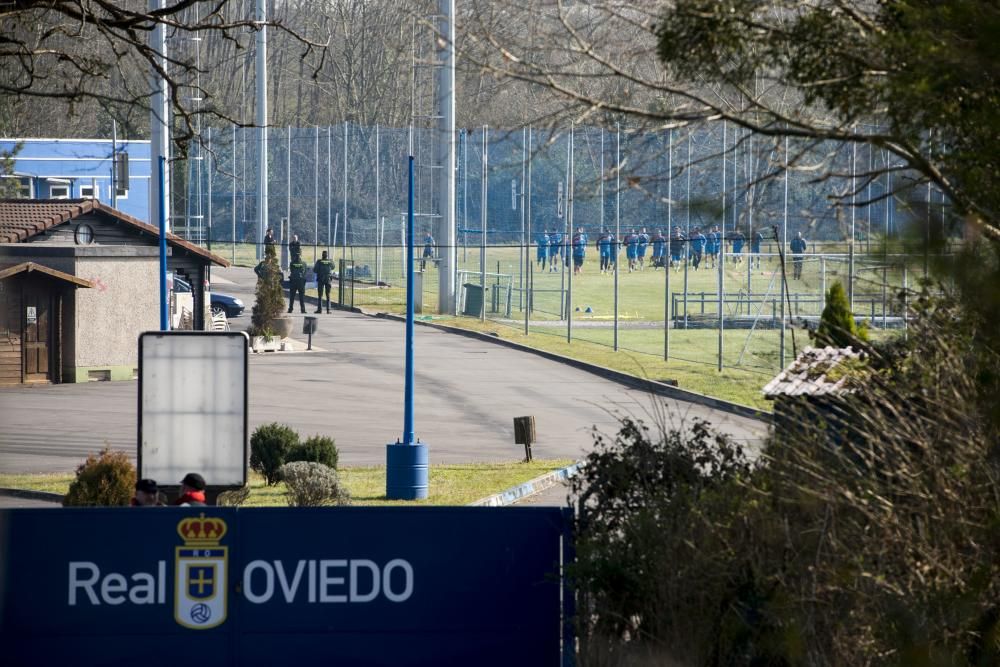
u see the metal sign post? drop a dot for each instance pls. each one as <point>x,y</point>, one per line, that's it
<point>406,461</point>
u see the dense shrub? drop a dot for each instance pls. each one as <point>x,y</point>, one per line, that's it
<point>875,542</point>
<point>317,449</point>
<point>269,445</point>
<point>105,479</point>
<point>312,485</point>
<point>233,497</point>
<point>269,298</point>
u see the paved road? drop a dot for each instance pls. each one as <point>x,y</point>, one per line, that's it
<point>468,391</point>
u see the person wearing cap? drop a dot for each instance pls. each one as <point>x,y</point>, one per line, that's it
<point>146,494</point>
<point>192,490</point>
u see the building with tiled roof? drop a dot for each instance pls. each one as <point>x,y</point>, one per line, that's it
<point>79,281</point>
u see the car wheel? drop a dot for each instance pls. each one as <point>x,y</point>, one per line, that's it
<point>219,310</point>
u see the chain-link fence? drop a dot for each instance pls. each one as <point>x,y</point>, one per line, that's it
<point>691,214</point>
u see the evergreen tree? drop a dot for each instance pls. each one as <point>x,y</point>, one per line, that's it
<point>269,297</point>
<point>836,326</point>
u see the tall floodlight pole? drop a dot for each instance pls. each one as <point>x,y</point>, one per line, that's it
<point>316,194</point>
<point>482,212</point>
<point>161,176</point>
<point>527,251</point>
<point>261,126</point>
<point>344,233</point>
<point>568,237</point>
<point>233,212</point>
<point>784,282</point>
<point>282,254</point>
<point>524,259</point>
<point>329,184</point>
<point>722,247</point>
<point>446,162</point>
<point>666,248</point>
<point>159,119</point>
<point>618,218</point>
<point>208,172</point>
<point>686,245</point>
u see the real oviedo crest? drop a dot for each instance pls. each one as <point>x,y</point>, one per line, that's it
<point>200,576</point>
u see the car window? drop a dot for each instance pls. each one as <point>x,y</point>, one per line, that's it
<point>181,285</point>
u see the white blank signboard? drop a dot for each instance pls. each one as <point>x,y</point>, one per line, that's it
<point>193,406</point>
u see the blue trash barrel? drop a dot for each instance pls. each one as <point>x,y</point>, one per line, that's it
<point>406,472</point>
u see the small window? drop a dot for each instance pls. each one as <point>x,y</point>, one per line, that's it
<point>59,192</point>
<point>88,192</point>
<point>122,193</point>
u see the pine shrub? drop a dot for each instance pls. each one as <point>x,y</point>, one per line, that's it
<point>103,480</point>
<point>269,299</point>
<point>837,327</point>
<point>269,447</point>
<point>317,449</point>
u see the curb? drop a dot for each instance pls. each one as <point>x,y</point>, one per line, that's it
<point>31,495</point>
<point>651,386</point>
<point>529,488</point>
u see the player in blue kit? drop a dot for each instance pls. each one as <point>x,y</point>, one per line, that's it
<point>631,249</point>
<point>542,253</point>
<point>579,250</point>
<point>641,244</point>
<point>659,249</point>
<point>555,249</point>
<point>738,240</point>
<point>605,242</point>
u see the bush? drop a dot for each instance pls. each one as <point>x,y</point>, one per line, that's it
<point>317,449</point>
<point>269,446</point>
<point>103,480</point>
<point>837,327</point>
<point>313,484</point>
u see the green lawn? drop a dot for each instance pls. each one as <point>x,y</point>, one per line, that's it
<point>451,484</point>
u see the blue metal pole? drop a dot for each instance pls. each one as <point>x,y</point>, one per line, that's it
<point>408,390</point>
<point>406,470</point>
<point>164,315</point>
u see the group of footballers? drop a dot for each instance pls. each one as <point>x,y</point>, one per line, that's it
<point>699,249</point>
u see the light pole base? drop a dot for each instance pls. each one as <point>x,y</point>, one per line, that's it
<point>406,472</point>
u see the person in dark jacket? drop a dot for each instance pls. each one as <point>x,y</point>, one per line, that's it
<point>192,490</point>
<point>798,246</point>
<point>295,248</point>
<point>147,494</point>
<point>324,279</point>
<point>297,283</point>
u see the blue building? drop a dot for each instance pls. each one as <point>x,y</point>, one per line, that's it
<point>82,169</point>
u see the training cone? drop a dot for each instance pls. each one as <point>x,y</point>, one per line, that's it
<point>589,310</point>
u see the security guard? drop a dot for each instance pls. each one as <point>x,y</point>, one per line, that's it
<point>324,277</point>
<point>297,283</point>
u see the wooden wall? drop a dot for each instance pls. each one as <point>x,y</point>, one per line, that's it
<point>10,332</point>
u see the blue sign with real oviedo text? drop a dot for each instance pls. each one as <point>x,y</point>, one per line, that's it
<point>263,586</point>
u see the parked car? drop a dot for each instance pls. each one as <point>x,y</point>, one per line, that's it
<point>221,303</point>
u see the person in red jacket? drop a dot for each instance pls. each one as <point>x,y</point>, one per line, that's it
<point>192,490</point>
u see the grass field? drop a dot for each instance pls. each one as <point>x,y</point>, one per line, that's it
<point>454,484</point>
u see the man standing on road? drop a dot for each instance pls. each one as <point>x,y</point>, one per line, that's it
<point>798,246</point>
<point>324,279</point>
<point>297,283</point>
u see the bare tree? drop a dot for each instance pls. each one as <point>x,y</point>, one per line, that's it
<point>67,53</point>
